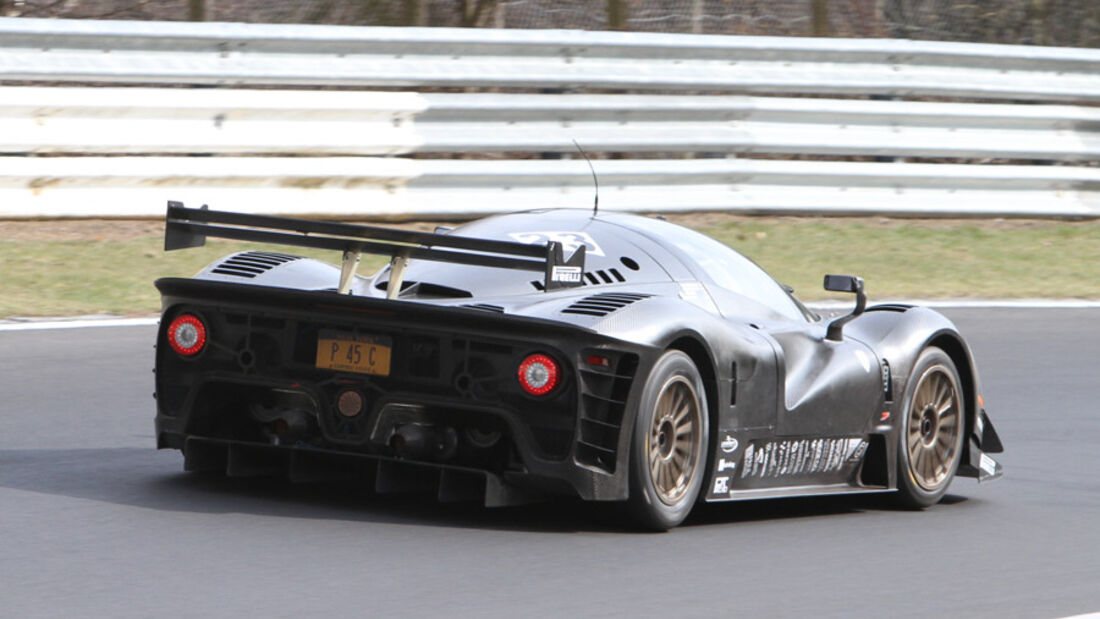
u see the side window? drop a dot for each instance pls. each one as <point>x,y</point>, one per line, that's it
<point>735,272</point>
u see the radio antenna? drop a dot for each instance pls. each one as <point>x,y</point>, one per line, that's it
<point>596,181</point>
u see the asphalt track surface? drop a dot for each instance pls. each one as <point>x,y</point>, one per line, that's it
<point>95,522</point>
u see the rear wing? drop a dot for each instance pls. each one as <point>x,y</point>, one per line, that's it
<point>189,227</point>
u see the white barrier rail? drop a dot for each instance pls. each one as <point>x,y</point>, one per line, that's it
<point>108,151</point>
<point>234,54</point>
<point>355,186</point>
<point>142,120</point>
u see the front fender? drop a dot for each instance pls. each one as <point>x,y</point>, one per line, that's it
<point>899,333</point>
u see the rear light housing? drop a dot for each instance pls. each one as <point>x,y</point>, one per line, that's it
<point>539,374</point>
<point>187,335</point>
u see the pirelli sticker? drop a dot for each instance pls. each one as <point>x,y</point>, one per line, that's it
<point>566,275</point>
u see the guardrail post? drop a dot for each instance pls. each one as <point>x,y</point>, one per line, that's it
<point>616,14</point>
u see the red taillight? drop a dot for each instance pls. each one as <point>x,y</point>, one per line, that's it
<point>187,335</point>
<point>598,361</point>
<point>539,374</point>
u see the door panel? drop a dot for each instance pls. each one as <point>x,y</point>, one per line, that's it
<point>754,383</point>
<point>829,388</point>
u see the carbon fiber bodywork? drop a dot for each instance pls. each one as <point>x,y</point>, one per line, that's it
<point>790,412</point>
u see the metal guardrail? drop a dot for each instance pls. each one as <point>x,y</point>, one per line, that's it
<point>358,186</point>
<point>234,54</point>
<point>67,120</point>
<point>329,152</point>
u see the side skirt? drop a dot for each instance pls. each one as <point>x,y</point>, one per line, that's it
<point>797,491</point>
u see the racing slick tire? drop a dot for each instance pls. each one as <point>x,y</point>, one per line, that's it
<point>667,455</point>
<point>932,430</point>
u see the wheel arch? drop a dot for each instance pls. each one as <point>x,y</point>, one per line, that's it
<point>900,336</point>
<point>953,346</point>
<point>694,348</point>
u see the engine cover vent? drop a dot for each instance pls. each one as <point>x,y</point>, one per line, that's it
<point>604,303</point>
<point>485,307</point>
<point>252,263</point>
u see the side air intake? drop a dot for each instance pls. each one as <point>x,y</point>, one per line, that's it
<point>252,263</point>
<point>603,304</point>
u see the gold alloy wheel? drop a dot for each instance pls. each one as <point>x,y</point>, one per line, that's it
<point>673,444</point>
<point>933,428</point>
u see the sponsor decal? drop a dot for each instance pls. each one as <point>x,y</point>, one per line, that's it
<point>570,241</point>
<point>696,294</point>
<point>729,444</point>
<point>800,456</point>
<point>724,464</point>
<point>569,275</point>
<point>721,485</point>
<point>857,455</point>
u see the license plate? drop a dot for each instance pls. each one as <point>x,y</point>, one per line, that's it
<point>363,354</point>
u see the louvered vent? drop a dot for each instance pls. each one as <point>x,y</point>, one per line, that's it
<point>252,263</point>
<point>485,307</point>
<point>603,304</point>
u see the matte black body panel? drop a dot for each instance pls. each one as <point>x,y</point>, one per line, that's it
<point>791,412</point>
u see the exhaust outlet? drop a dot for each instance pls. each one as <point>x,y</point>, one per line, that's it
<point>414,440</point>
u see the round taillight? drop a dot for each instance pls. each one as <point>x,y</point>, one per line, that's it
<point>187,335</point>
<point>539,374</point>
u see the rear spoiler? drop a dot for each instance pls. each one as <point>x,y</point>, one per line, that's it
<point>189,227</point>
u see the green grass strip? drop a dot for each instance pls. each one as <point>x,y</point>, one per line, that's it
<point>897,258</point>
<point>925,258</point>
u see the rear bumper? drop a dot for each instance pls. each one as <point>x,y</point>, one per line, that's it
<point>382,474</point>
<point>454,367</point>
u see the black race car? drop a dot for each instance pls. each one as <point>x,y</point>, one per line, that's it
<point>559,352</point>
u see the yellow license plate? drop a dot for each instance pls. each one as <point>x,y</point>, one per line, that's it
<point>345,352</point>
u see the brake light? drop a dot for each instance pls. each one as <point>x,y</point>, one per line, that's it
<point>539,374</point>
<point>187,335</point>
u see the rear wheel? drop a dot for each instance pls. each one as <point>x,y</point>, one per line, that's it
<point>667,452</point>
<point>931,434</point>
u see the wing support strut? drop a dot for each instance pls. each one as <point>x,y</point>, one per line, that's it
<point>398,263</point>
<point>347,270</point>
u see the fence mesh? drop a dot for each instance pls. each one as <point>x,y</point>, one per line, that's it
<point>1074,23</point>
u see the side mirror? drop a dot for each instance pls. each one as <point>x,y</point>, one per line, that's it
<point>844,283</point>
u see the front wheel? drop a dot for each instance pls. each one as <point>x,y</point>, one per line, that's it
<point>931,434</point>
<point>667,451</point>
